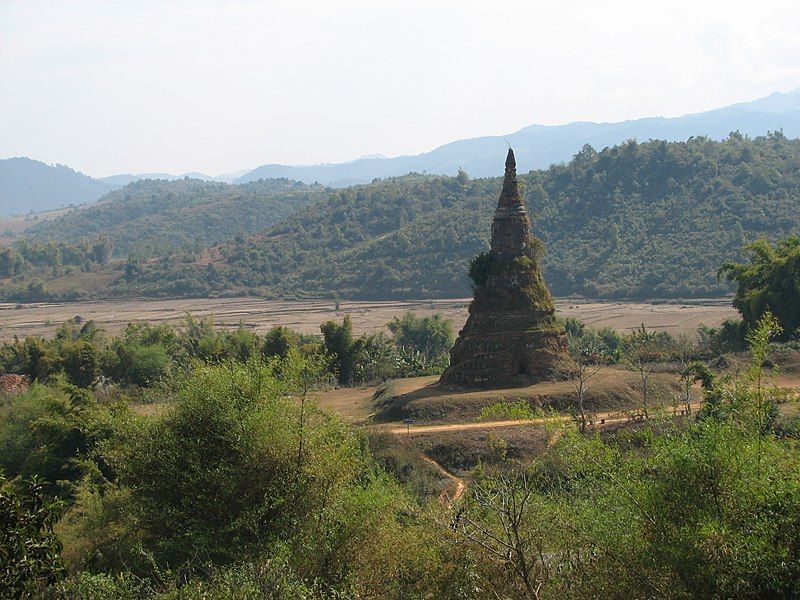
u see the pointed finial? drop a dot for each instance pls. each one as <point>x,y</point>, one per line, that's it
<point>511,162</point>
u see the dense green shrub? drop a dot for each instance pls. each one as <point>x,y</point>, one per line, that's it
<point>237,472</point>
<point>54,433</point>
<point>29,551</point>
<point>431,335</point>
<point>769,282</point>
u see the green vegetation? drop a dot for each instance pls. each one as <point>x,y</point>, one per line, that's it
<point>637,220</point>
<point>508,411</point>
<point>55,433</point>
<point>242,487</point>
<point>432,336</point>
<point>29,551</point>
<point>646,220</point>
<point>144,355</point>
<point>769,282</point>
<point>154,217</point>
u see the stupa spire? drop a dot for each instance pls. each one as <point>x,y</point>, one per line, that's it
<point>510,227</point>
<point>510,194</point>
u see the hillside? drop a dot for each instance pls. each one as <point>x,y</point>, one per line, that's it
<point>637,220</point>
<point>539,146</point>
<point>653,220</point>
<point>32,186</point>
<point>155,217</point>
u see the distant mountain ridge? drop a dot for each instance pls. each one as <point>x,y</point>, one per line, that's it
<point>127,178</point>
<point>539,146</point>
<point>28,185</point>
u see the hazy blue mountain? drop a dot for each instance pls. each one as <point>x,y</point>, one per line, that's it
<point>28,185</point>
<point>539,146</point>
<point>127,178</point>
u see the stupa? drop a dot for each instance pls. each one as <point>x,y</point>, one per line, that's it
<point>511,337</point>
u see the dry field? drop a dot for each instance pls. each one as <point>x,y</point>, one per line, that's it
<point>306,316</point>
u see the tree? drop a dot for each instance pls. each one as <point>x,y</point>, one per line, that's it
<point>769,282</point>
<point>53,433</point>
<point>339,345</point>
<point>302,373</point>
<point>242,468</point>
<point>642,349</point>
<point>589,356</point>
<point>136,362</point>
<point>500,520</point>
<point>278,341</point>
<point>683,350</point>
<point>40,361</point>
<point>81,362</point>
<point>102,250</point>
<point>431,335</point>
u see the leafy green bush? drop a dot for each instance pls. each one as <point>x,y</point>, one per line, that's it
<point>54,433</point>
<point>769,282</point>
<point>236,469</point>
<point>278,341</point>
<point>431,335</point>
<point>81,363</point>
<point>29,551</point>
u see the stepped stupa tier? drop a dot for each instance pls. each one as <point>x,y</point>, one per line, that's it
<point>511,337</point>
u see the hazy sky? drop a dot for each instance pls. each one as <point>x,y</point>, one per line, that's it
<point>138,86</point>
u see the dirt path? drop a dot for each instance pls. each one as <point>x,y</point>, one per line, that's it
<point>444,498</point>
<point>594,421</point>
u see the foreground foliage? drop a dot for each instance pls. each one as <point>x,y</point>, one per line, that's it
<point>29,551</point>
<point>243,488</point>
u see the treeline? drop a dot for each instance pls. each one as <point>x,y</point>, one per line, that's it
<point>145,354</point>
<point>54,254</point>
<point>646,220</point>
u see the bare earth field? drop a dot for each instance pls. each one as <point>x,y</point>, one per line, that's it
<point>368,317</point>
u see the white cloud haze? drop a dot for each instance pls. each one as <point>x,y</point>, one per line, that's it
<point>113,87</point>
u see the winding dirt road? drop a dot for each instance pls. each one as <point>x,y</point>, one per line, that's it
<point>595,421</point>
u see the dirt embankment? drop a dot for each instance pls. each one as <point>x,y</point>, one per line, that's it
<point>427,402</point>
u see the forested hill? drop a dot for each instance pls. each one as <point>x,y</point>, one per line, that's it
<point>636,220</point>
<point>153,217</point>
<point>32,186</point>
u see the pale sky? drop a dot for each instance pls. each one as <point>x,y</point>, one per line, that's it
<point>144,86</point>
